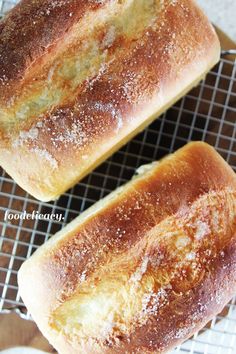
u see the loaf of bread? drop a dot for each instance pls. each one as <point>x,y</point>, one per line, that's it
<point>78,79</point>
<point>144,268</point>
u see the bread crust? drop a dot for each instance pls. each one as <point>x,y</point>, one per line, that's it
<point>79,79</point>
<point>145,268</point>
<point>31,30</point>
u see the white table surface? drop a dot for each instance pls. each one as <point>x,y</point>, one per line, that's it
<point>222,13</point>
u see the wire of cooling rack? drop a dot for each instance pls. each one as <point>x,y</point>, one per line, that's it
<point>207,113</point>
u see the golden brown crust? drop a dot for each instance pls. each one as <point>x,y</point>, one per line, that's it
<point>30,31</point>
<point>147,268</point>
<point>89,86</point>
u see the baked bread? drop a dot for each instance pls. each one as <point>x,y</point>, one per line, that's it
<point>78,79</point>
<point>144,268</point>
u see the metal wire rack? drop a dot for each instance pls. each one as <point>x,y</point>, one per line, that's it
<point>207,113</point>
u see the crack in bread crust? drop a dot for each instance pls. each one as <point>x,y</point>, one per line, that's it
<point>82,56</point>
<point>126,290</point>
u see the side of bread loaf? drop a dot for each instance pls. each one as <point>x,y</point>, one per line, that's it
<point>144,268</point>
<point>78,79</point>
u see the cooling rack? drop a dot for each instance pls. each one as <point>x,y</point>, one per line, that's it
<point>207,113</point>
